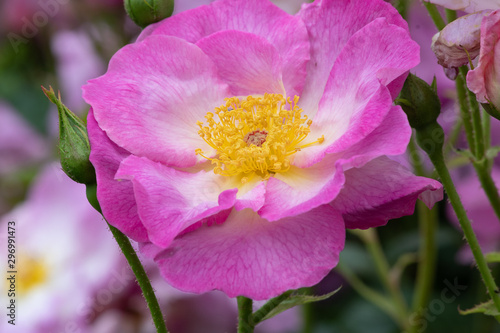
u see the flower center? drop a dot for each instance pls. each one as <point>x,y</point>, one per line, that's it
<point>255,136</point>
<point>32,274</point>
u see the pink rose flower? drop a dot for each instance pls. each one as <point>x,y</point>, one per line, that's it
<point>484,80</point>
<point>251,194</point>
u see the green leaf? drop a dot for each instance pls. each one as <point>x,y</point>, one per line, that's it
<point>293,300</point>
<point>492,152</point>
<point>487,308</point>
<point>493,257</point>
<point>465,153</point>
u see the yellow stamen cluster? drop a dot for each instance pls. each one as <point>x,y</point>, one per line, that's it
<point>33,274</point>
<point>256,135</point>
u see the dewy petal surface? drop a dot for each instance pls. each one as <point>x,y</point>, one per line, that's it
<point>382,190</point>
<point>330,24</point>
<point>249,256</point>
<point>152,96</point>
<point>251,65</point>
<point>170,200</point>
<point>260,17</point>
<point>116,198</point>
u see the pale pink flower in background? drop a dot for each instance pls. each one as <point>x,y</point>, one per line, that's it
<point>65,257</point>
<point>468,6</point>
<point>256,231</point>
<point>484,80</point>
<point>76,62</point>
<point>20,145</point>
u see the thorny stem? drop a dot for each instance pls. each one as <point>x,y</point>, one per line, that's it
<point>135,264</point>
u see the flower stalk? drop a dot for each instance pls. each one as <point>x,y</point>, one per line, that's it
<point>135,263</point>
<point>430,139</point>
<point>245,316</point>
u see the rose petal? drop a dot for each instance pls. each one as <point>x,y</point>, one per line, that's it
<point>116,198</point>
<point>248,63</point>
<point>169,200</point>
<point>252,257</point>
<point>382,190</point>
<point>330,24</point>
<point>299,190</point>
<point>152,96</point>
<point>260,17</point>
<point>484,79</point>
<point>356,99</point>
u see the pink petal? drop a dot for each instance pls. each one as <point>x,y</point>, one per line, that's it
<point>356,99</point>
<point>116,198</point>
<point>252,257</point>
<point>299,190</point>
<point>382,190</point>
<point>330,24</point>
<point>152,96</point>
<point>248,63</point>
<point>169,200</point>
<point>260,17</point>
<point>484,79</point>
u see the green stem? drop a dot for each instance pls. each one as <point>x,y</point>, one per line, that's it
<point>135,264</point>
<point>371,240</point>
<point>488,185</point>
<point>451,15</point>
<point>245,317</point>
<point>369,294</point>
<point>476,118</point>
<point>260,314</point>
<point>487,130</point>
<point>464,112</point>
<point>434,13</point>
<point>453,136</point>
<point>436,155</point>
<point>427,220</point>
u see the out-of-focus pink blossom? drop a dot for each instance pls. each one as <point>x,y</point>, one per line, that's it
<point>484,80</point>
<point>65,258</point>
<point>255,223</point>
<point>468,6</point>
<point>20,145</point>
<point>77,62</point>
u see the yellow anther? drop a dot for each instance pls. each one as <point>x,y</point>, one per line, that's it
<point>255,135</point>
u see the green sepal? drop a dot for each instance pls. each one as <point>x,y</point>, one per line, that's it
<point>491,110</point>
<point>487,308</point>
<point>74,146</point>
<point>146,12</point>
<point>296,298</point>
